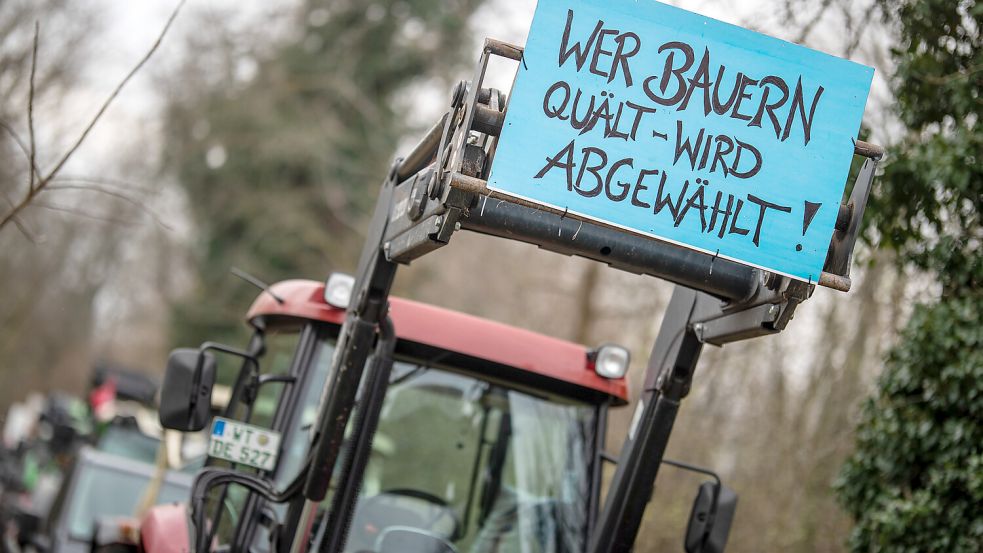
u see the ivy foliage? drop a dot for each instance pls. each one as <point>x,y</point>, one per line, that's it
<point>915,482</point>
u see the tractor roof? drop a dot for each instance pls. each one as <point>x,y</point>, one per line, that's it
<point>542,361</point>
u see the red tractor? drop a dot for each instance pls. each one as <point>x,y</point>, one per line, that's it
<point>487,432</point>
<point>438,432</point>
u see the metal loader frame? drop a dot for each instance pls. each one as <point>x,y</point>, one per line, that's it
<point>439,188</point>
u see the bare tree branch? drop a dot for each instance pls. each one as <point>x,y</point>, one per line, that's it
<point>82,213</point>
<point>807,28</point>
<point>115,93</point>
<point>92,187</point>
<point>43,181</point>
<point>129,186</point>
<point>30,111</point>
<point>20,224</point>
<point>23,230</point>
<point>858,34</point>
<point>19,141</point>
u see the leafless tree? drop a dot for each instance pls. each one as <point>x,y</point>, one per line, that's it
<point>55,289</point>
<point>39,181</point>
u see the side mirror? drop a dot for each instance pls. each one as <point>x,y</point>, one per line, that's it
<point>185,396</point>
<point>710,519</point>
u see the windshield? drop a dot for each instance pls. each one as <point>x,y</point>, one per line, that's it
<point>126,440</point>
<point>487,469</point>
<point>296,439</point>
<point>280,343</point>
<point>90,502</point>
<point>225,503</point>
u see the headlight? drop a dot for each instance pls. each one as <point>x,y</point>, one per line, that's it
<point>338,290</point>
<point>611,361</point>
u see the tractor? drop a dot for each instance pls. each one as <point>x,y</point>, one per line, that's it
<point>489,433</point>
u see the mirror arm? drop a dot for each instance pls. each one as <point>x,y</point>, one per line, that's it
<point>256,381</point>
<point>257,347</point>
<point>609,457</point>
<point>717,487</point>
<point>249,359</point>
<point>215,346</point>
<point>693,468</point>
<point>701,470</point>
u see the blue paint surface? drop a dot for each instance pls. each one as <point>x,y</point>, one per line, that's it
<point>803,179</point>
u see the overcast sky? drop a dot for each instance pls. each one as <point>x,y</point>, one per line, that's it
<point>129,28</point>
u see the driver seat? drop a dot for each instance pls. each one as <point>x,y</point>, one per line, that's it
<point>405,539</point>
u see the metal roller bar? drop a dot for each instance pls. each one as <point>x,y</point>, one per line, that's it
<point>629,252</point>
<point>423,153</point>
<point>478,186</point>
<point>487,120</point>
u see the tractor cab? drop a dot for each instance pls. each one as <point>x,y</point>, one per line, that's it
<point>477,465</point>
<point>489,435</point>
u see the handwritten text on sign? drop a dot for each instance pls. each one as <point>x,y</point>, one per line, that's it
<point>681,127</point>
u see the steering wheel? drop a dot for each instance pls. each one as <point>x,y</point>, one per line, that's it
<point>396,507</point>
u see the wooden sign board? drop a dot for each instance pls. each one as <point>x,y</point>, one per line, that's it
<point>683,128</point>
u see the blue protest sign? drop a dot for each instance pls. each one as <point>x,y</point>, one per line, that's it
<point>693,131</point>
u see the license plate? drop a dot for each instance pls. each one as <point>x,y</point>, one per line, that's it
<point>244,443</point>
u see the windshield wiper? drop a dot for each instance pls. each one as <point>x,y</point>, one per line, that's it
<point>412,373</point>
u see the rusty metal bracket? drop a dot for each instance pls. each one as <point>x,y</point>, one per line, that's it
<point>836,270</point>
